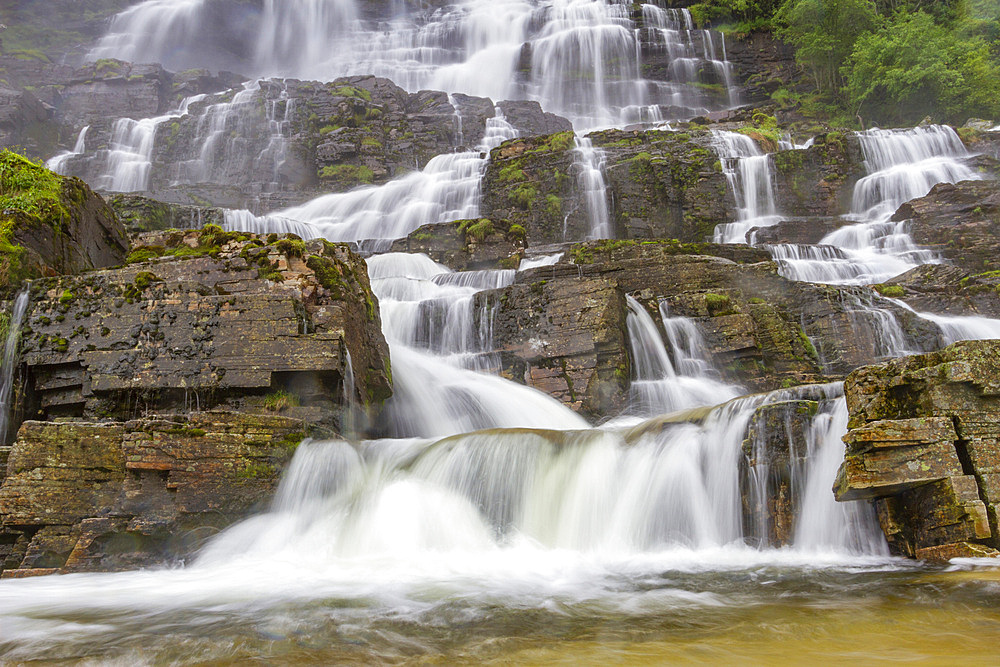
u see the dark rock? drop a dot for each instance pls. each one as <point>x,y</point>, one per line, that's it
<point>58,226</point>
<point>529,119</point>
<point>960,221</point>
<point>923,442</point>
<point>466,245</point>
<point>819,180</point>
<point>142,214</point>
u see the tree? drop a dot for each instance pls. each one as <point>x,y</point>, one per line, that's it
<point>823,33</point>
<point>913,68</point>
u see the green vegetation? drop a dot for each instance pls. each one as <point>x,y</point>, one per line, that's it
<point>477,230</point>
<point>281,400</point>
<point>347,174</point>
<point>30,195</point>
<point>891,291</point>
<point>879,62</point>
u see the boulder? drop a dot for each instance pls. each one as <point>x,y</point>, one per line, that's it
<point>819,180</point>
<point>52,224</point>
<point>923,442</point>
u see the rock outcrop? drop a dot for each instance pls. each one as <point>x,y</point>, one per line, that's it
<point>924,444</point>
<point>662,185</point>
<point>158,402</point>
<point>960,221</point>
<point>52,224</point>
<point>562,328</point>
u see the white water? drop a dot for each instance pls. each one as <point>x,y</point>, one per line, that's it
<point>902,165</point>
<point>675,376</point>
<point>229,139</point>
<point>447,189</point>
<point>8,364</point>
<point>59,162</point>
<point>748,172</point>
<point>128,162</point>
<point>588,162</point>
<point>585,56</point>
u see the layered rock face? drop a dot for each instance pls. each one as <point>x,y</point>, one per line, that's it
<point>562,328</point>
<point>159,401</point>
<point>924,444</point>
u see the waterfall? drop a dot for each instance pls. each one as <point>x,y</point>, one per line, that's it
<point>670,381</point>
<point>9,361</point>
<point>127,164</point>
<point>582,59</point>
<point>228,150</point>
<point>588,162</point>
<point>448,188</point>
<point>59,163</point>
<point>438,353</point>
<point>901,165</point>
<point>748,171</point>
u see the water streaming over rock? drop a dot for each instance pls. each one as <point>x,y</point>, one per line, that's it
<point>58,162</point>
<point>674,376</point>
<point>748,171</point>
<point>581,59</point>
<point>14,319</point>
<point>448,188</point>
<point>901,165</point>
<point>588,162</point>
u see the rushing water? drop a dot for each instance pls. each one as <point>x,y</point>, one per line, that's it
<point>13,320</point>
<point>748,171</point>
<point>490,523</point>
<point>901,165</point>
<point>580,58</point>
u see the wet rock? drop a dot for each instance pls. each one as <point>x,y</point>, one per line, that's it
<point>773,469</point>
<point>466,245</point>
<point>946,289</point>
<point>142,214</point>
<point>761,330</point>
<point>661,185</point>
<point>26,122</point>
<point>120,495</point>
<point>530,120</point>
<point>795,230</point>
<point>960,221</point>
<point>923,442</point>
<point>819,180</point>
<point>54,224</point>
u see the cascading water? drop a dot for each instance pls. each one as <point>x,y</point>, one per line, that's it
<point>748,171</point>
<point>667,382</point>
<point>126,165</point>
<point>9,361</point>
<point>584,57</point>
<point>58,163</point>
<point>901,165</point>
<point>588,162</point>
<point>447,189</point>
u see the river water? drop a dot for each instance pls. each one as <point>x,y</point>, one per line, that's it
<point>496,525</point>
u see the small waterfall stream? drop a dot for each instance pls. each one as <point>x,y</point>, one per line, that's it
<point>8,363</point>
<point>749,173</point>
<point>588,162</point>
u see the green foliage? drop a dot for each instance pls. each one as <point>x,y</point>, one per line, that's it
<point>281,400</point>
<point>477,229</point>
<point>823,33</point>
<point>517,232</point>
<point>913,68</point>
<point>746,15</point>
<point>347,174</point>
<point>291,247</point>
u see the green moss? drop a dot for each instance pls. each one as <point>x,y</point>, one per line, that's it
<point>511,173</point>
<point>347,174</point>
<point>144,279</point>
<point>351,91</point>
<point>553,205</point>
<point>891,291</point>
<point>257,470</point>
<point>718,304</point>
<point>523,196</point>
<point>371,142</point>
<point>808,345</point>
<point>517,232</point>
<point>291,247</point>
<point>281,400</point>
<point>66,297</point>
